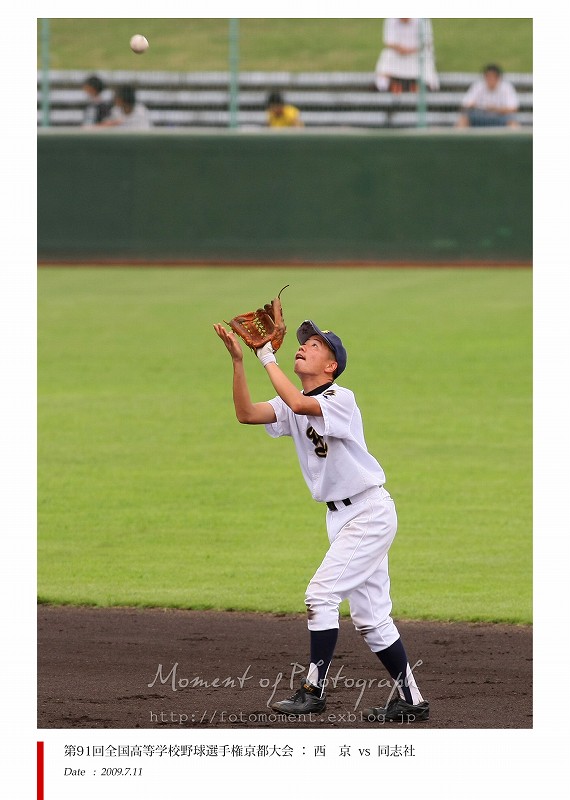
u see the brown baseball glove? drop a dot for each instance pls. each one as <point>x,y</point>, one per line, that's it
<point>266,324</point>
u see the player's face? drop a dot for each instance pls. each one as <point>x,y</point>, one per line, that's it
<point>313,357</point>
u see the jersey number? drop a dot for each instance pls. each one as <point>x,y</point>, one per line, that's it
<point>321,447</point>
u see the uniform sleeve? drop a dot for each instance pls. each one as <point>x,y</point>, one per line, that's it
<point>338,406</point>
<point>282,425</point>
<point>471,95</point>
<point>511,97</point>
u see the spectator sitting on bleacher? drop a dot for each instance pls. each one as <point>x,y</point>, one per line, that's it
<point>490,101</point>
<point>97,108</point>
<point>127,112</point>
<point>281,115</point>
<point>399,65</point>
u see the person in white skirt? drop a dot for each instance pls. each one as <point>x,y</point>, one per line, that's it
<point>408,51</point>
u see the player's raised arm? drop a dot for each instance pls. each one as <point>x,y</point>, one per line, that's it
<point>287,391</point>
<point>247,412</point>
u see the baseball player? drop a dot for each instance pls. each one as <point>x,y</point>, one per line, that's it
<point>326,427</point>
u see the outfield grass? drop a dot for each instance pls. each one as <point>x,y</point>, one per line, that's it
<point>297,45</point>
<point>150,493</point>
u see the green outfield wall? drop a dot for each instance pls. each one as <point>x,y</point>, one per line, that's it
<point>158,196</point>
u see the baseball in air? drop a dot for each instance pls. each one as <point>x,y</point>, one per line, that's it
<point>139,43</point>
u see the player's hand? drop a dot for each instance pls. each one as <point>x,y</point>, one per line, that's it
<point>266,354</point>
<point>231,342</point>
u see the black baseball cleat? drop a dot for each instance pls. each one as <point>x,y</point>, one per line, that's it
<point>306,700</point>
<point>397,710</point>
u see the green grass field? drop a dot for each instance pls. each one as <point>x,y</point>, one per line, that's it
<point>151,493</point>
<point>297,45</point>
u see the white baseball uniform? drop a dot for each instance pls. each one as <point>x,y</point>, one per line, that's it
<point>340,471</point>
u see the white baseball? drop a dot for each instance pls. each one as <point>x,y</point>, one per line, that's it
<point>139,43</point>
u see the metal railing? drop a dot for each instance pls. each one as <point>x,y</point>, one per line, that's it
<point>236,98</point>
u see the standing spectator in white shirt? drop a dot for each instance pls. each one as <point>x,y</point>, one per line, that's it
<point>407,43</point>
<point>491,101</point>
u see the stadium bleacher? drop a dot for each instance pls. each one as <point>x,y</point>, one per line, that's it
<point>331,99</point>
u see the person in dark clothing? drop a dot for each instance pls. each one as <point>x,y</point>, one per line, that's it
<point>98,108</point>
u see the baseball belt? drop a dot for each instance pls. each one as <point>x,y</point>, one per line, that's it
<point>348,501</point>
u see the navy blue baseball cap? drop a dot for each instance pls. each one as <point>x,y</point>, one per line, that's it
<point>308,328</point>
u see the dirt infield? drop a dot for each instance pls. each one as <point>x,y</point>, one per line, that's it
<point>153,668</point>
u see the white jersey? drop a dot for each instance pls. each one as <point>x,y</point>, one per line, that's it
<point>480,96</point>
<point>334,459</point>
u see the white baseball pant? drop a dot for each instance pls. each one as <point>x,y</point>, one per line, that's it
<point>356,567</point>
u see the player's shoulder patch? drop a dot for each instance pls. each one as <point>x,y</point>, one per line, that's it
<point>339,395</point>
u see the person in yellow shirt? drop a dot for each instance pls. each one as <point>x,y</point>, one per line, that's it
<point>281,115</point>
